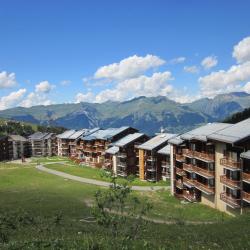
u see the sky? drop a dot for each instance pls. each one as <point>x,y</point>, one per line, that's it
<point>69,51</point>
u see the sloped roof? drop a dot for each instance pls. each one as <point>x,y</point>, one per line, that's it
<point>234,133</point>
<point>17,138</point>
<point>245,155</point>
<point>128,139</point>
<point>105,134</point>
<point>66,134</point>
<point>176,140</point>
<point>203,132</point>
<point>156,141</point>
<point>113,150</point>
<point>164,151</point>
<point>78,134</point>
<point>40,136</point>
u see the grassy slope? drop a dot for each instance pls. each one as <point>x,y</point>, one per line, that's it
<point>44,195</point>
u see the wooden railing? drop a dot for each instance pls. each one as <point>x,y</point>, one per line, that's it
<point>179,157</point>
<point>188,167</point>
<point>189,196</point>
<point>188,181</point>
<point>246,177</point>
<point>203,187</point>
<point>203,172</point>
<point>233,202</point>
<point>229,182</point>
<point>188,152</point>
<point>228,162</point>
<point>246,196</point>
<point>179,184</point>
<point>180,172</point>
<point>204,156</point>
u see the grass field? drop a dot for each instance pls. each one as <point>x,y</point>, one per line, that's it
<point>24,190</point>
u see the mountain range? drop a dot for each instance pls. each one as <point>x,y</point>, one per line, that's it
<point>148,114</point>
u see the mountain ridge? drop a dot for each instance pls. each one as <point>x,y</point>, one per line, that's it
<point>147,114</point>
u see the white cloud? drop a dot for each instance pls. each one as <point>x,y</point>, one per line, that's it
<point>65,82</point>
<point>209,62</point>
<point>130,67</point>
<point>44,87</point>
<point>246,88</point>
<point>191,69</point>
<point>12,99</point>
<point>88,97</point>
<point>177,60</point>
<point>7,80</point>
<point>155,85</point>
<point>241,51</point>
<point>225,81</point>
<point>34,99</point>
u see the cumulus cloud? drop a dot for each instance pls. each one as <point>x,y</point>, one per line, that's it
<point>88,97</point>
<point>241,51</point>
<point>157,84</point>
<point>209,62</point>
<point>177,60</point>
<point>7,80</point>
<point>225,81</point>
<point>191,69</point>
<point>44,87</point>
<point>34,98</point>
<point>12,99</point>
<point>130,67</point>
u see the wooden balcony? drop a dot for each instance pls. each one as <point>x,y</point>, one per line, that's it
<point>188,167</point>
<point>179,184</point>
<point>179,157</point>
<point>231,201</point>
<point>188,153</point>
<point>246,196</point>
<point>188,182</point>
<point>180,171</point>
<point>246,177</point>
<point>229,182</point>
<point>204,188</point>
<point>204,172</point>
<point>230,163</point>
<point>205,156</point>
<point>189,197</point>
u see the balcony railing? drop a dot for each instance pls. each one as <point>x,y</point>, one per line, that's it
<point>165,164</point>
<point>180,172</point>
<point>229,182</point>
<point>204,188</point>
<point>204,156</point>
<point>204,172</point>
<point>188,182</point>
<point>179,157</point>
<point>122,155</point>
<point>188,152</point>
<point>189,197</point>
<point>151,169</point>
<point>246,196</point>
<point>179,184</point>
<point>150,158</point>
<point>188,167</point>
<point>230,200</point>
<point>230,163</point>
<point>246,177</point>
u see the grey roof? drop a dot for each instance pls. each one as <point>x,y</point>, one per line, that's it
<point>78,134</point>
<point>17,138</point>
<point>245,155</point>
<point>66,134</point>
<point>48,136</point>
<point>176,140</point>
<point>156,141</point>
<point>128,139</point>
<point>113,150</point>
<point>105,134</point>
<point>203,132</point>
<point>165,150</point>
<point>40,136</point>
<point>233,133</point>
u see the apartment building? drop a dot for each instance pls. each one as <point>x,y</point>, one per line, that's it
<point>208,165</point>
<point>122,157</point>
<point>63,148</point>
<point>4,148</point>
<point>91,148</point>
<point>164,156</point>
<point>150,161</point>
<point>43,144</point>
<point>18,147</point>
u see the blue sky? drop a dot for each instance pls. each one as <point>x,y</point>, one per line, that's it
<point>50,51</point>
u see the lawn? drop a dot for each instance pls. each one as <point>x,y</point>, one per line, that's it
<point>45,197</point>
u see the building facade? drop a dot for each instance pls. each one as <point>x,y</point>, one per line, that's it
<point>18,147</point>
<point>4,148</point>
